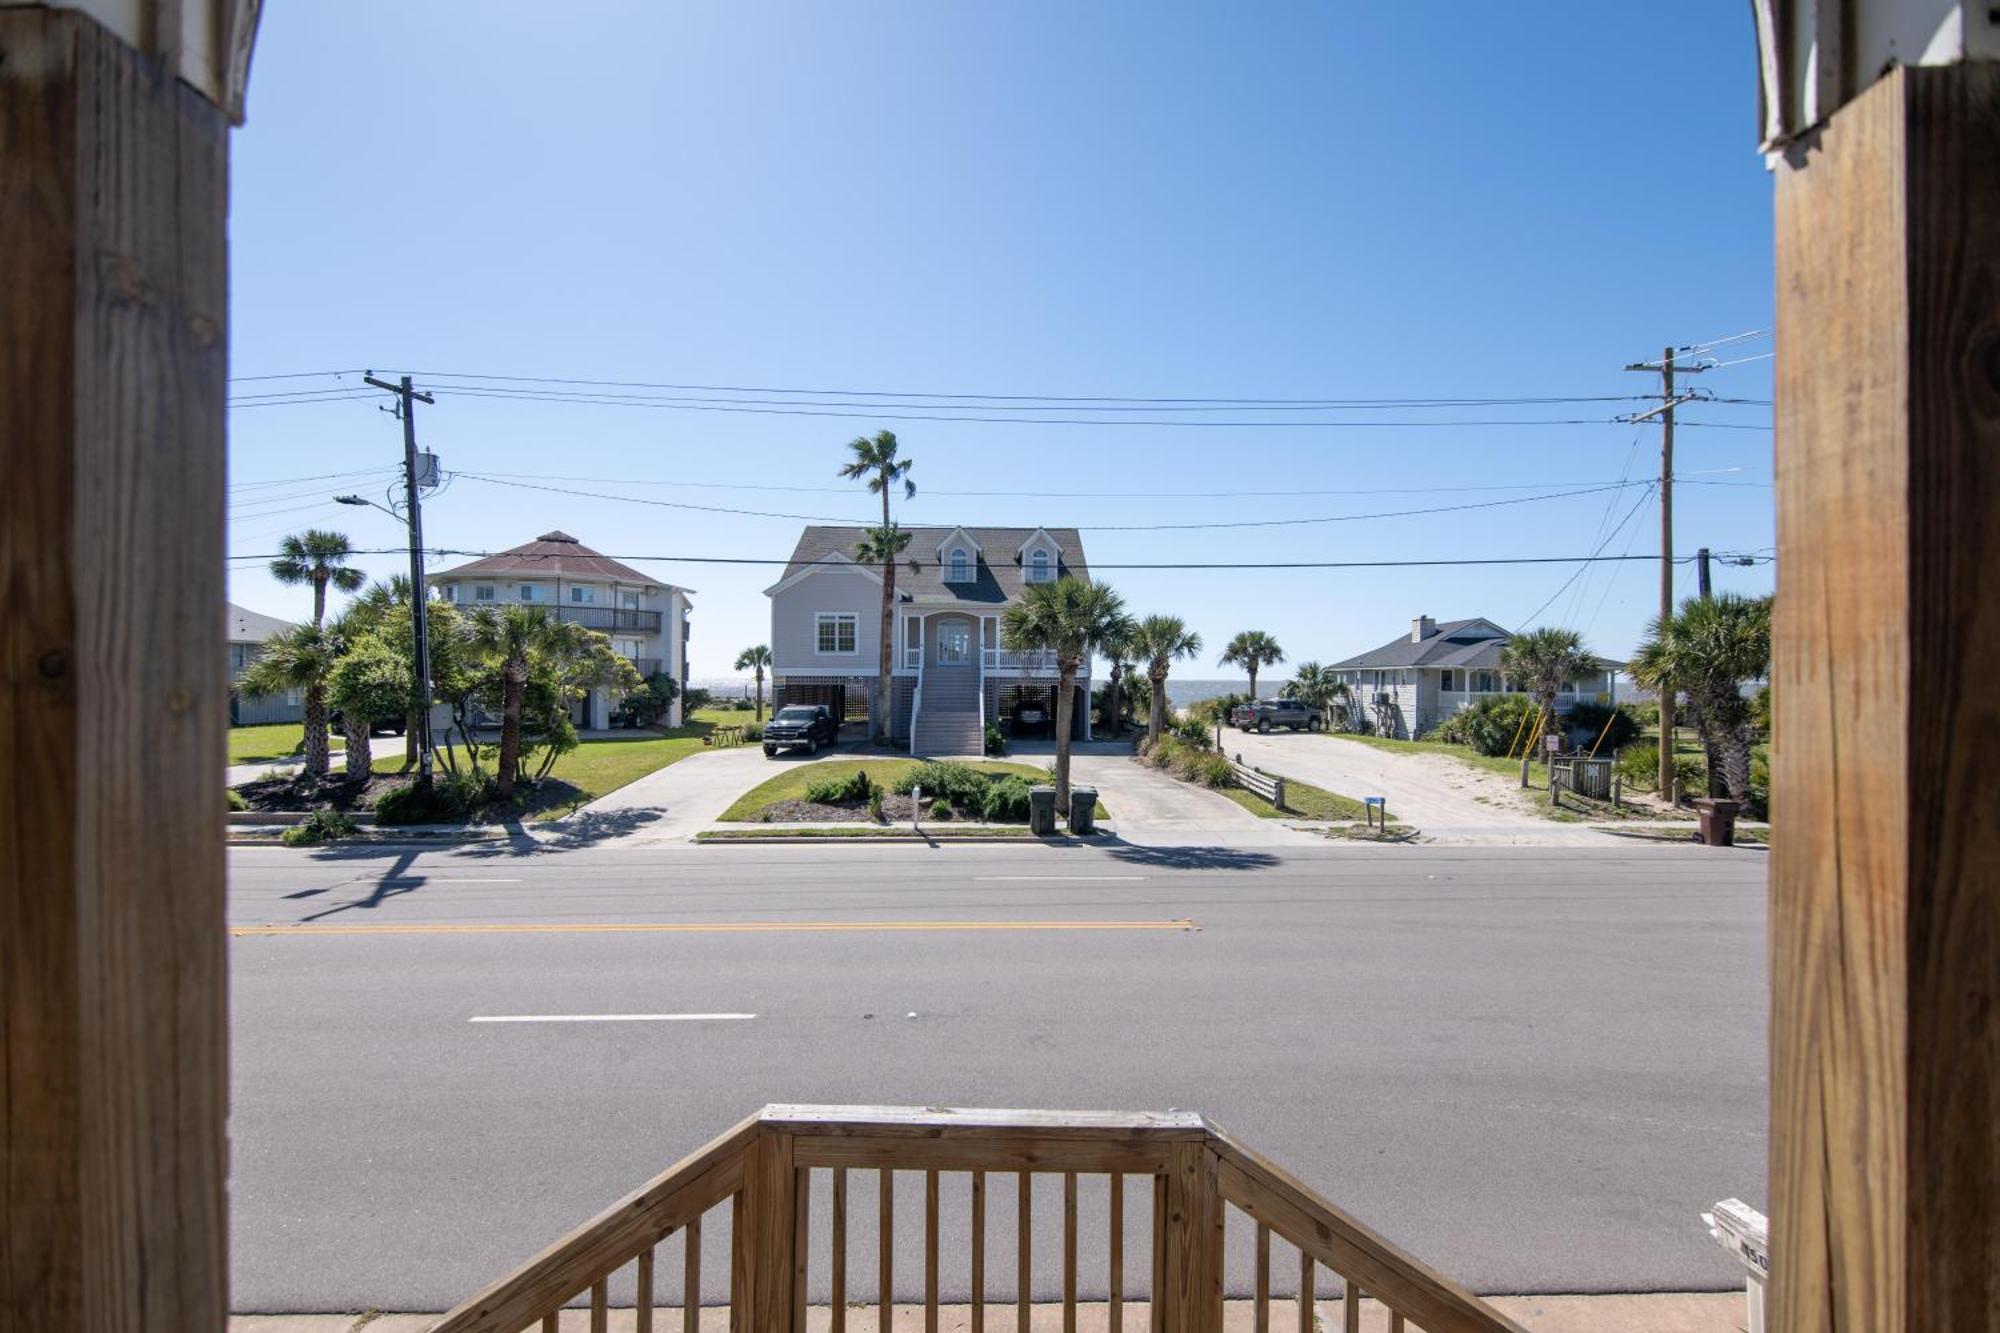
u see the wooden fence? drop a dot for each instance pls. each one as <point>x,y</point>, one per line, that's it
<point>1266,785</point>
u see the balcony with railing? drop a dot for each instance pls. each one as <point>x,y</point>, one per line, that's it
<point>610,618</point>
<point>1032,662</point>
<point>1167,1182</point>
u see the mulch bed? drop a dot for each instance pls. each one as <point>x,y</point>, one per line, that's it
<point>288,794</point>
<point>895,810</point>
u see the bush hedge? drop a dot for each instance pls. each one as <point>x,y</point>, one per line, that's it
<point>851,790</point>
<point>1493,726</point>
<point>451,798</point>
<point>1587,721</point>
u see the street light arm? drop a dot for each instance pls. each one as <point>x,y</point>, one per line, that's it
<point>363,500</point>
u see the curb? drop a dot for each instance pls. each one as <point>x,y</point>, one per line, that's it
<point>866,840</point>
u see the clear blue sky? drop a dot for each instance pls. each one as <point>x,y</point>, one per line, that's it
<point>1160,200</point>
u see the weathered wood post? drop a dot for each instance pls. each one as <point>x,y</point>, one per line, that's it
<point>114,156</point>
<point>1883,125</point>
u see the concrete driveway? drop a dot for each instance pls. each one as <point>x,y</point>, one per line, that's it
<point>674,803</point>
<point>1154,810</point>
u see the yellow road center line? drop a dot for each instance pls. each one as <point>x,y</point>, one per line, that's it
<point>700,927</point>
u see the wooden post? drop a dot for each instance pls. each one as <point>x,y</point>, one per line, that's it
<point>113,369</point>
<point>1193,1278</point>
<point>1885,883</point>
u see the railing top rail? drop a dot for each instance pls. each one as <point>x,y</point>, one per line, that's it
<point>931,1121</point>
<point>1275,1197</point>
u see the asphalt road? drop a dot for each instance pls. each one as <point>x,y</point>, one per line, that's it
<point>1531,1067</point>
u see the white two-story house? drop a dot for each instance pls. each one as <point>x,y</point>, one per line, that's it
<point>645,619</point>
<point>1412,683</point>
<point>951,677</point>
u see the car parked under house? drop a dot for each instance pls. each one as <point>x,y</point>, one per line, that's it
<point>951,675</point>
<point>645,619</point>
<point>1412,683</point>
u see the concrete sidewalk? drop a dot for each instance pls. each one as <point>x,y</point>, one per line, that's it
<point>1701,1312</point>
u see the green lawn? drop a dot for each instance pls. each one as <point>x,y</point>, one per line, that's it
<point>270,742</point>
<point>1302,801</point>
<point>791,782</point>
<point>597,767</point>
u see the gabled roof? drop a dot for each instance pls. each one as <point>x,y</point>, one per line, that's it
<point>920,576</point>
<point>247,626</point>
<point>834,561</point>
<point>970,540</point>
<point>1475,643</point>
<point>1053,540</point>
<point>552,555</point>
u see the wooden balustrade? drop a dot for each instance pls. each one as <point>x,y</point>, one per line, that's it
<point>764,1169</point>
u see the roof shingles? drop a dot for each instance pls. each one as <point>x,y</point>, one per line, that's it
<point>921,575</point>
<point>552,555</point>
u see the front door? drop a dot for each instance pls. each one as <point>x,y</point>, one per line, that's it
<point>954,642</point>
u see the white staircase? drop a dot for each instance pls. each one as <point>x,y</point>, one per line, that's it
<point>947,719</point>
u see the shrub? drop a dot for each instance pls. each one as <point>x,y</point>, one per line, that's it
<point>851,790</point>
<point>961,784</point>
<point>451,798</point>
<point>1647,715</point>
<point>1638,767</point>
<point>1760,783</point>
<point>875,803</point>
<point>317,827</point>
<point>1005,801</point>
<point>234,799</point>
<point>1760,712</point>
<point>1588,720</point>
<point>1208,768</point>
<point>996,739</point>
<point>753,733</point>
<point>1208,709</point>
<point>1492,726</point>
<point>1193,731</point>
<point>941,808</point>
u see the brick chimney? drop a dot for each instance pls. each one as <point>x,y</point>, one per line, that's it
<point>1422,628</point>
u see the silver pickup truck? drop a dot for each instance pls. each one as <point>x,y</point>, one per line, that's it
<point>1265,714</point>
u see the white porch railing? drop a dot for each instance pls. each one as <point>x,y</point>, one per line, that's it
<point>1000,659</point>
<point>913,657</point>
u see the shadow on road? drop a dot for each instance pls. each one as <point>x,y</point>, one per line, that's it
<point>1191,858</point>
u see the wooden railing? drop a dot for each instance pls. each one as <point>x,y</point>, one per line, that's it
<point>765,1170</point>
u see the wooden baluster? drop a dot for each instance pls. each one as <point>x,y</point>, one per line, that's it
<point>691,1280</point>
<point>600,1307</point>
<point>1117,1274</point>
<point>886,1251</point>
<point>550,1320</point>
<point>1159,1298</point>
<point>1305,1292</point>
<point>838,1263</point>
<point>930,1252</point>
<point>1395,1322</point>
<point>740,1242</point>
<point>642,1302</point>
<point>801,1234</point>
<point>1024,1264</point>
<point>1263,1278</point>
<point>1350,1308</point>
<point>1069,1252</point>
<point>978,1252</point>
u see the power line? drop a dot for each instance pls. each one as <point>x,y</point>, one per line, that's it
<point>293,375</point>
<point>1596,556</point>
<point>1140,565</point>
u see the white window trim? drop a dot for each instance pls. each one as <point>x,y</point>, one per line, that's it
<point>582,594</point>
<point>1045,568</point>
<point>527,592</point>
<point>821,618</point>
<point>485,592</point>
<point>970,573</point>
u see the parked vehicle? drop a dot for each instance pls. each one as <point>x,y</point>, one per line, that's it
<point>1265,714</point>
<point>800,727</point>
<point>337,726</point>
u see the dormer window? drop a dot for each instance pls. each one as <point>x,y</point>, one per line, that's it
<point>961,566</point>
<point>1038,567</point>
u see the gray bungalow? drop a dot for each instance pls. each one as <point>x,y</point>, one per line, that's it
<point>951,675</point>
<point>1412,683</point>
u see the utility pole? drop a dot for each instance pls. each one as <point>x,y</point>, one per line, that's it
<point>406,398</point>
<point>1701,573</point>
<point>1665,412</point>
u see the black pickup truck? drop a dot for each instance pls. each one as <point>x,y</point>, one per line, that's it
<point>800,727</point>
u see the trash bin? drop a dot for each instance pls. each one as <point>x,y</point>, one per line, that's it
<point>1718,821</point>
<point>1042,811</point>
<point>1083,810</point>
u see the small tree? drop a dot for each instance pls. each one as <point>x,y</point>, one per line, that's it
<point>1071,619</point>
<point>1159,641</point>
<point>511,638</point>
<point>756,659</point>
<point>1709,649</point>
<point>1317,687</point>
<point>369,680</point>
<point>300,658</point>
<point>318,558</point>
<point>1543,660</point>
<point>1117,651</point>
<point>1252,650</point>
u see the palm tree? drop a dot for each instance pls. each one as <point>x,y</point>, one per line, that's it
<point>881,546</point>
<point>1159,640</point>
<point>1252,650</point>
<point>1317,686</point>
<point>1117,650</point>
<point>756,659</point>
<point>877,461</point>
<point>300,658</point>
<point>513,636</point>
<point>318,558</point>
<point>1544,660</point>
<point>1708,649</point>
<point>1071,619</point>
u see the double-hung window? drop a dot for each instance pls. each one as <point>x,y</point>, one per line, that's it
<point>482,592</point>
<point>527,592</point>
<point>837,631</point>
<point>582,595</point>
<point>1038,567</point>
<point>961,567</point>
<point>1448,681</point>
